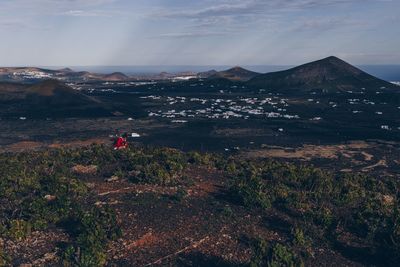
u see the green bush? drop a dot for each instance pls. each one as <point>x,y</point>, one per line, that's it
<point>4,259</point>
<point>180,194</point>
<point>298,237</point>
<point>19,229</point>
<point>227,212</point>
<point>260,253</point>
<point>91,230</point>
<point>277,255</point>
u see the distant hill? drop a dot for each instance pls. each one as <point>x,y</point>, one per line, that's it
<point>65,70</point>
<point>235,74</point>
<point>48,98</point>
<point>17,70</point>
<point>116,76</point>
<point>33,74</point>
<point>327,74</point>
<point>206,74</point>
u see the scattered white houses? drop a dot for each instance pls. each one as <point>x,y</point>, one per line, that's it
<point>316,119</point>
<point>368,102</point>
<point>222,108</point>
<point>333,104</point>
<point>135,135</point>
<point>385,127</point>
<point>353,101</point>
<point>108,90</point>
<point>33,74</point>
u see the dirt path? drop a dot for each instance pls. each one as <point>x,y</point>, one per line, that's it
<point>381,163</point>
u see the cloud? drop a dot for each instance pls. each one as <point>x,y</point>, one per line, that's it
<point>318,24</point>
<point>48,7</point>
<point>242,8</point>
<point>12,25</point>
<point>263,16</point>
<point>64,3</point>
<point>18,24</point>
<point>86,13</point>
<point>245,7</point>
<point>183,35</point>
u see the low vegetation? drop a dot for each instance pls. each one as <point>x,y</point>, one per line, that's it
<point>337,210</point>
<point>275,255</point>
<point>40,190</point>
<point>354,213</point>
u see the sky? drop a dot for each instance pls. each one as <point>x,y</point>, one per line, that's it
<point>197,32</point>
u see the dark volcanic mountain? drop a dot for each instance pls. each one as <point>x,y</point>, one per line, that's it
<point>235,74</point>
<point>49,98</point>
<point>328,74</point>
<point>54,93</point>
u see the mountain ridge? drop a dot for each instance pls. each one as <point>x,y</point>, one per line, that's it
<point>235,73</point>
<point>328,74</point>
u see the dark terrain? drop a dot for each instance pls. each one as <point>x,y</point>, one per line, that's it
<point>305,172</point>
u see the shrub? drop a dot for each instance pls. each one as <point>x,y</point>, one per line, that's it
<point>19,229</point>
<point>298,237</point>
<point>260,252</point>
<point>4,259</point>
<point>227,212</point>
<point>91,230</point>
<point>276,255</point>
<point>180,194</point>
<point>283,256</point>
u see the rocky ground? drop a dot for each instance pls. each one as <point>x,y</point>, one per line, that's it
<point>196,223</point>
<point>162,227</point>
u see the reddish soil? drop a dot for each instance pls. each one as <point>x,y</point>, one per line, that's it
<point>32,145</point>
<point>204,228</point>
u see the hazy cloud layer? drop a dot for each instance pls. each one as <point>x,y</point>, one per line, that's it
<point>93,32</point>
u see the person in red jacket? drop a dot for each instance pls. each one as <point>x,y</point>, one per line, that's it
<point>121,142</point>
